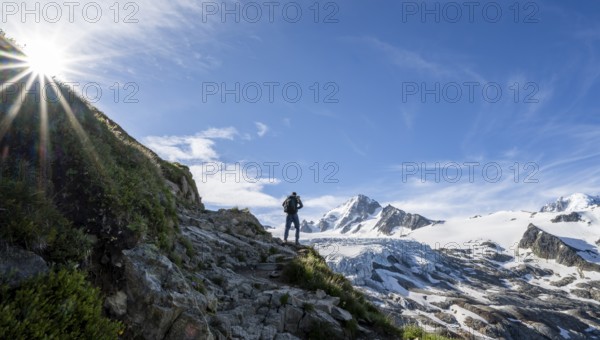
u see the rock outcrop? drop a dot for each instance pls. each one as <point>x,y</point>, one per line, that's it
<point>219,283</point>
<point>392,218</point>
<point>572,217</point>
<point>548,246</point>
<point>17,265</point>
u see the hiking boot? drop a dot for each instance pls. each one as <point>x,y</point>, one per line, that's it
<point>297,243</point>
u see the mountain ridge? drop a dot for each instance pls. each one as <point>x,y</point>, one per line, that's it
<point>360,214</point>
<point>572,203</point>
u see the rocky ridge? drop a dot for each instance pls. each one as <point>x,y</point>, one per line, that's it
<point>222,282</point>
<point>362,214</point>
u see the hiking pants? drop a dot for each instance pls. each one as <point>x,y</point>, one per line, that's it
<point>288,224</point>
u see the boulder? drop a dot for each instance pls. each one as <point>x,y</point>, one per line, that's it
<point>117,303</point>
<point>572,217</point>
<point>548,246</point>
<point>17,265</point>
<point>157,292</point>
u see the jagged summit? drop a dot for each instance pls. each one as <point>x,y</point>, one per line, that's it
<point>574,202</point>
<point>363,214</point>
<point>356,209</point>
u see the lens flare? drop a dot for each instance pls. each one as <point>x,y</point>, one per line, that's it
<point>44,58</point>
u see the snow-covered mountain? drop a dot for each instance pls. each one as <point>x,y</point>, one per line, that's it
<point>574,202</point>
<point>361,215</point>
<point>506,275</point>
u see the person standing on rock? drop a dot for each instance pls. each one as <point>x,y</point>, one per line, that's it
<point>291,205</point>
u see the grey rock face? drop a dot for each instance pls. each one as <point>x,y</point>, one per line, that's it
<point>306,227</point>
<point>572,217</point>
<point>17,265</point>
<point>182,189</point>
<point>548,246</point>
<point>117,303</point>
<point>392,217</point>
<point>158,293</point>
<point>361,208</point>
<point>563,282</point>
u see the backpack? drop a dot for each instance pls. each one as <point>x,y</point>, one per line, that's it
<point>290,205</point>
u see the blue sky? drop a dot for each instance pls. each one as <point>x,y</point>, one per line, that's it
<point>400,89</point>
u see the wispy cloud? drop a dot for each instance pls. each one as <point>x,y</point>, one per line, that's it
<point>405,58</point>
<point>198,148</point>
<point>97,34</point>
<point>411,60</point>
<point>262,129</point>
<point>521,186</point>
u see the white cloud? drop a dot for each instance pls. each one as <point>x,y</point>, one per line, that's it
<point>441,199</point>
<point>223,133</point>
<point>220,184</point>
<point>262,129</point>
<point>224,189</point>
<point>199,147</point>
<point>186,148</point>
<point>326,202</point>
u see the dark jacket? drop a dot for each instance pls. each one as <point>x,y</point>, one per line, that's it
<point>299,204</point>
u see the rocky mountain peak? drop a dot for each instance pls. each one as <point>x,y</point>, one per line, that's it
<point>574,202</point>
<point>361,204</point>
<point>363,213</point>
<point>344,216</point>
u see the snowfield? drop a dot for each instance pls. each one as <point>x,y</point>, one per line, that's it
<point>473,277</point>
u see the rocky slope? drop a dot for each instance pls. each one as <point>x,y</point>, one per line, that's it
<point>222,282</point>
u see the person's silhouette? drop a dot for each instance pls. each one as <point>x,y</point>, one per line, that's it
<point>291,205</point>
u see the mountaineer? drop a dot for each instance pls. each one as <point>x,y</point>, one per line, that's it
<point>291,205</point>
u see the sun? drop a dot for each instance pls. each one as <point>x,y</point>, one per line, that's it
<point>45,58</point>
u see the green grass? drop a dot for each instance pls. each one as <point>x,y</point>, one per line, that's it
<point>283,299</point>
<point>308,307</point>
<point>415,332</point>
<point>60,305</point>
<point>198,285</point>
<point>100,179</point>
<point>311,272</point>
<point>189,247</point>
<point>30,219</point>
